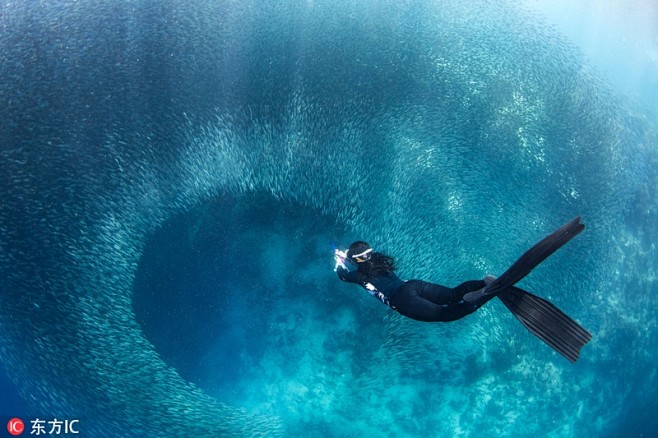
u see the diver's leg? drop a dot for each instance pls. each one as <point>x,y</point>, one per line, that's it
<point>469,286</point>
<point>465,307</point>
<point>478,290</point>
<point>412,301</point>
<point>408,302</point>
<point>437,293</point>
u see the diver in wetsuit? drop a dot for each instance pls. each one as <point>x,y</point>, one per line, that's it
<point>415,299</point>
<point>430,302</point>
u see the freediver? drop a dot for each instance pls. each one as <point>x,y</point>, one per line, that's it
<point>430,302</point>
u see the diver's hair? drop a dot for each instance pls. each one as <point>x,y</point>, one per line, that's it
<point>377,264</point>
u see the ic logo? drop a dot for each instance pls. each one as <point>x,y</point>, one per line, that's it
<point>15,426</point>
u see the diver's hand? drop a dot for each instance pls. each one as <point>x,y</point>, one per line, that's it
<point>339,258</point>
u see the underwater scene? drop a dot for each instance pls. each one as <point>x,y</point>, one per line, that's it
<point>176,175</point>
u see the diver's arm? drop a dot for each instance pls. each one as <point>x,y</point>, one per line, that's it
<point>341,269</point>
<point>345,275</point>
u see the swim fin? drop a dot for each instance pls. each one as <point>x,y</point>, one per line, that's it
<point>529,260</point>
<point>547,322</point>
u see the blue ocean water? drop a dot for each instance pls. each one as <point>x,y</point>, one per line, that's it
<point>619,40</point>
<point>173,174</point>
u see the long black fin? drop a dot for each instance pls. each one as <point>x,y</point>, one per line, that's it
<point>529,260</point>
<point>547,322</point>
<point>535,255</point>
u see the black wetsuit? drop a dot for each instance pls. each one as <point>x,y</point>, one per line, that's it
<point>419,299</point>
